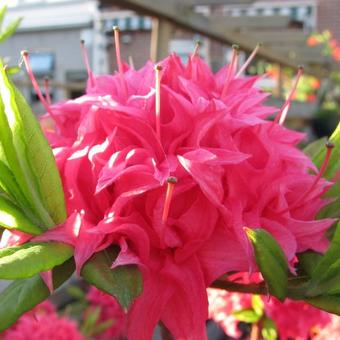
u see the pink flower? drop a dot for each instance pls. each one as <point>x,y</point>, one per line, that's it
<point>43,323</point>
<point>222,304</point>
<point>296,319</point>
<point>331,331</point>
<point>175,188</point>
<point>109,310</point>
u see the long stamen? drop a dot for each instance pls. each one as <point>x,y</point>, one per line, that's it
<point>131,63</point>
<point>25,58</point>
<point>197,48</point>
<point>281,117</point>
<point>249,60</point>
<point>116,32</point>
<point>47,90</point>
<point>330,147</point>
<point>168,197</point>
<point>87,61</point>
<point>231,69</point>
<point>158,70</point>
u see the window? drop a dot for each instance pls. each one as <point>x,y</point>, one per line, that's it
<point>42,64</point>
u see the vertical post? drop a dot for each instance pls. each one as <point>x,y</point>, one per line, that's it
<point>161,35</point>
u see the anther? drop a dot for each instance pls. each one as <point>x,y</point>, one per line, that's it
<point>197,48</point>
<point>87,62</point>
<point>231,69</point>
<point>171,181</point>
<point>249,60</point>
<point>158,69</point>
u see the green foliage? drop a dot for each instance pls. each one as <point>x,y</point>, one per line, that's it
<point>30,177</point>
<point>247,315</point>
<point>269,331</point>
<point>7,32</point>
<point>124,282</point>
<point>22,295</point>
<point>32,258</point>
<point>271,261</point>
<point>257,304</point>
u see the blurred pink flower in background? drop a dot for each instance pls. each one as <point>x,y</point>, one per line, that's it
<point>109,310</point>
<point>43,323</point>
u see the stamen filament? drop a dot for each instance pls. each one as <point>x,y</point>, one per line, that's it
<point>116,32</point>
<point>168,197</point>
<point>248,61</point>
<point>197,48</point>
<point>131,63</point>
<point>87,62</point>
<point>158,70</point>
<point>231,69</point>
<point>330,147</point>
<point>281,117</point>
<point>47,90</point>
<point>25,58</point>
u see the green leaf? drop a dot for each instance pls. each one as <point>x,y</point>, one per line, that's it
<point>329,304</point>
<point>32,258</point>
<point>314,148</point>
<point>334,164</point>
<point>269,331</point>
<point>29,156</point>
<point>124,282</point>
<point>247,315</point>
<point>271,261</point>
<point>22,295</point>
<point>12,218</point>
<point>326,276</point>
<point>10,30</point>
<point>3,11</point>
<point>308,261</point>
<point>257,304</point>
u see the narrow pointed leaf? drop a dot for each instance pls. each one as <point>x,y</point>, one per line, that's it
<point>10,30</point>
<point>22,295</point>
<point>328,303</point>
<point>247,315</point>
<point>32,258</point>
<point>12,218</point>
<point>271,261</point>
<point>3,11</point>
<point>269,331</point>
<point>29,156</point>
<point>308,261</point>
<point>314,148</point>
<point>124,283</point>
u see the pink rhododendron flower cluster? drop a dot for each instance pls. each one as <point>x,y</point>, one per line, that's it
<point>109,310</point>
<point>172,171</point>
<point>43,323</point>
<point>293,319</point>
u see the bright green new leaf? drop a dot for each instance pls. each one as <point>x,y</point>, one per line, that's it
<point>22,295</point>
<point>29,156</point>
<point>27,260</point>
<point>269,331</point>
<point>257,304</point>
<point>3,11</point>
<point>12,218</point>
<point>10,30</point>
<point>271,261</point>
<point>124,282</point>
<point>247,315</point>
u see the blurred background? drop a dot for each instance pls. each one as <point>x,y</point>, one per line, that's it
<point>292,32</point>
